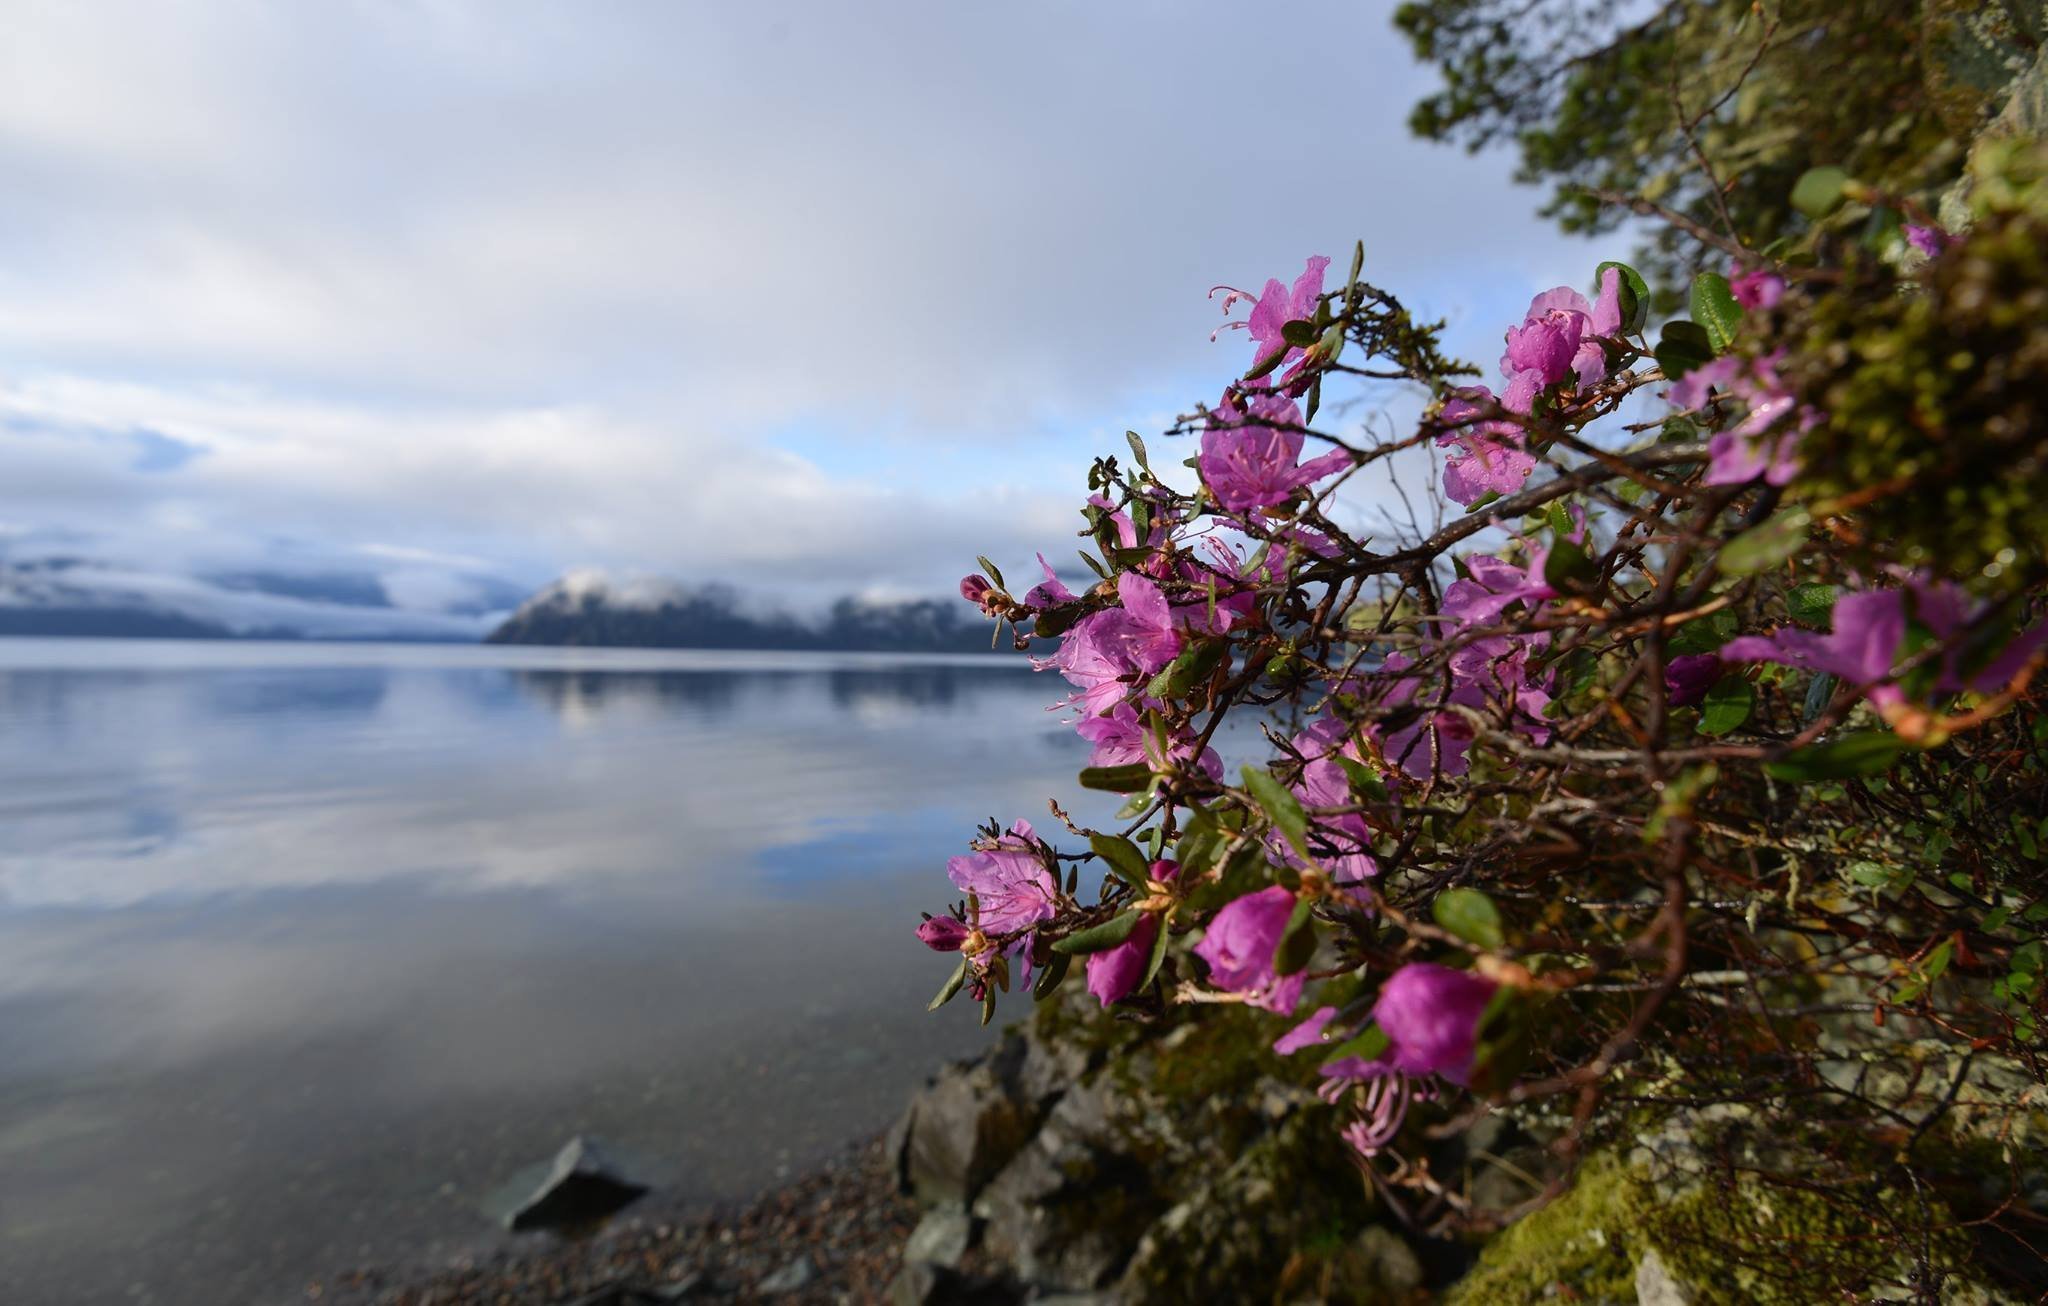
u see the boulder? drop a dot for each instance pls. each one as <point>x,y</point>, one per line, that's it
<point>1065,1213</point>
<point>965,1126</point>
<point>581,1185</point>
<point>941,1237</point>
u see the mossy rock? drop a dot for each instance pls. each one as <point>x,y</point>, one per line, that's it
<point>1736,1242</point>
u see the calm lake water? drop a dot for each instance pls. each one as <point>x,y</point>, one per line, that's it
<point>305,949</point>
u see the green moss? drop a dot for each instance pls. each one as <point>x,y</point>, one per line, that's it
<point>1938,397</point>
<point>1580,1243</point>
<point>1738,1242</point>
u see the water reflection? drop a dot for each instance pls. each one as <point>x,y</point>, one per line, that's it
<point>301,949</point>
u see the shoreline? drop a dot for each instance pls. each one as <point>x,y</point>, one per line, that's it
<point>843,1219</point>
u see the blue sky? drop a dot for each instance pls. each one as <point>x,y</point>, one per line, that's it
<point>812,298</point>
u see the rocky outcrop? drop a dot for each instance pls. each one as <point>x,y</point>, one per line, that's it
<point>1114,1161</point>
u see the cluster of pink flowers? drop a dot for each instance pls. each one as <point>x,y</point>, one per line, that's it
<point>1408,718</point>
<point>1765,443</point>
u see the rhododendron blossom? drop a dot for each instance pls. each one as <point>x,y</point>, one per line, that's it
<point>1240,946</point>
<point>1491,458</point>
<point>1010,881</point>
<point>1431,1015</point>
<point>1251,457</point>
<point>1868,641</point>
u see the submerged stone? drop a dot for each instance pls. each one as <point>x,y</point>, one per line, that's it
<point>582,1185</point>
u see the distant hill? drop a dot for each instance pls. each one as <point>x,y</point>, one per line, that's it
<point>90,598</point>
<point>590,608</point>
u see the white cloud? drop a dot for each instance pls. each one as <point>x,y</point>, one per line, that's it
<point>547,284</point>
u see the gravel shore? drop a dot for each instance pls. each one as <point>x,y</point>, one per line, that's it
<point>832,1236</point>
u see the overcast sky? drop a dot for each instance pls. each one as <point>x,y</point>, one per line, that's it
<point>821,297</point>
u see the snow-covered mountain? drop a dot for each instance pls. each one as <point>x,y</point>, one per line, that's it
<point>57,595</point>
<point>593,608</point>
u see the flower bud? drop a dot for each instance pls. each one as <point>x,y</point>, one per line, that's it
<point>942,934</point>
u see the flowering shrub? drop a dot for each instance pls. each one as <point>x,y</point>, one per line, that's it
<point>1644,778</point>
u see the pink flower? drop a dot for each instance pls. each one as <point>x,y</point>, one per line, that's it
<point>1757,288</point>
<point>1278,305</point>
<point>1430,1015</point>
<point>1010,881</point>
<point>1114,972</point>
<point>1240,944</point>
<point>1307,1032</point>
<point>1342,841</point>
<point>1049,591</point>
<point>1121,739</point>
<point>1544,345</point>
<point>1558,338</point>
<point>1146,634</point>
<point>1869,630</point>
<point>1762,444</point>
<point>1092,657</point>
<point>1930,241</point>
<point>977,590</point>
<point>942,933</point>
<point>1381,1097</point>
<point>1687,679</point>
<point>1251,454</point>
<point>1492,460</point>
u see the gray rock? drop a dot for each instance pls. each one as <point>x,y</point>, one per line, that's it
<point>1065,1213</point>
<point>966,1125</point>
<point>920,1283</point>
<point>581,1185</point>
<point>941,1237</point>
<point>1656,1285</point>
<point>793,1277</point>
<point>1390,1262</point>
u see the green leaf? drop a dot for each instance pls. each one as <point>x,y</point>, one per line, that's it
<point>1158,956</point>
<point>1099,938</point>
<point>1369,1044</point>
<point>1055,621</point>
<point>1865,753</point>
<point>994,573</point>
<point>1567,569</point>
<point>1937,961</point>
<point>1703,634</point>
<point>1683,346</point>
<point>1125,779</point>
<point>1819,190</point>
<point>1470,915</point>
<point>1266,364</point>
<point>1050,975</point>
<point>1196,663</point>
<point>1995,919</point>
<point>1245,871</point>
<point>1763,547</point>
<point>1635,295</point>
<point>1137,449</point>
<point>1727,705</point>
<point>954,983</point>
<point>1297,941</point>
<point>1364,780</point>
<point>1714,307</point>
<point>1315,400</point>
<point>1299,333</point>
<point>1280,806</point>
<point>1677,430</point>
<point>1123,857</point>
<point>1810,604</point>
